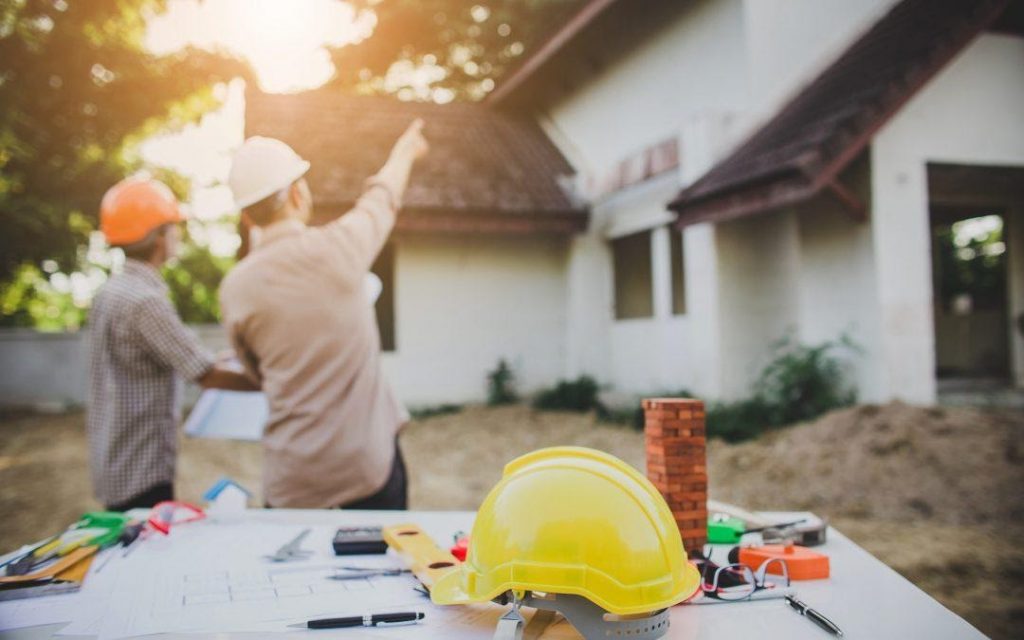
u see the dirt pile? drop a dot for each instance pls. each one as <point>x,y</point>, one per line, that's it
<point>892,462</point>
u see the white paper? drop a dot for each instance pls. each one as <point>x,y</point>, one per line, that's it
<point>211,578</point>
<point>214,578</point>
<point>228,415</point>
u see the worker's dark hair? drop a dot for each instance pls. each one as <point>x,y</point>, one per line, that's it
<point>143,249</point>
<point>265,211</point>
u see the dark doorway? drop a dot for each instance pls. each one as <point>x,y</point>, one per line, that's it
<point>978,277</point>
<point>969,272</point>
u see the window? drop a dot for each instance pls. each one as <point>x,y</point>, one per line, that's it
<point>678,272</point>
<point>384,268</point>
<point>631,258</point>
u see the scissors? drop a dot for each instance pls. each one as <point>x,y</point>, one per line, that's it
<point>292,550</point>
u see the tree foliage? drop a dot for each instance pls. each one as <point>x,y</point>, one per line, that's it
<point>77,90</point>
<point>471,43</point>
<point>194,279</point>
<point>973,265</point>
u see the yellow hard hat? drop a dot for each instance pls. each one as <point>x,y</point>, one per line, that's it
<point>572,520</point>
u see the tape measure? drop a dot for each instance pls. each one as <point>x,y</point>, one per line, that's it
<point>801,562</point>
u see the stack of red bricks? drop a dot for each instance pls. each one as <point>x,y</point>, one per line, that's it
<point>677,463</point>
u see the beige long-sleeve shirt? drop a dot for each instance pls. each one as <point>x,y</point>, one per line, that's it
<point>297,314</point>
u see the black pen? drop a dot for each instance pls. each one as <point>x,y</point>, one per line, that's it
<point>368,620</point>
<point>814,616</point>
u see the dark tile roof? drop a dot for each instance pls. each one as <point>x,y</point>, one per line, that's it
<point>486,170</point>
<point>818,133</point>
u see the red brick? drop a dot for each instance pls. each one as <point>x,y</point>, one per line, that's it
<point>670,403</point>
<point>682,441</point>
<point>691,515</point>
<point>695,496</point>
<point>662,413</point>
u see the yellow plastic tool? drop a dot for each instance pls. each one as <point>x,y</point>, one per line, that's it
<point>425,559</point>
<point>575,521</point>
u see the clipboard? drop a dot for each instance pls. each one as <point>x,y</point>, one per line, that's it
<point>63,576</point>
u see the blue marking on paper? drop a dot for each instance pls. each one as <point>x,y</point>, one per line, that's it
<point>228,415</point>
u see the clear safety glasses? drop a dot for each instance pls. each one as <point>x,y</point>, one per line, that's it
<point>737,581</point>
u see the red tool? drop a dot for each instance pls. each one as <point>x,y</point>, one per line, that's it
<point>803,563</point>
<point>461,546</point>
<point>163,515</point>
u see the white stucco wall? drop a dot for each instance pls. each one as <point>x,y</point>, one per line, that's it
<point>838,290</point>
<point>464,302</point>
<point>788,42</point>
<point>694,64</point>
<point>758,262</point>
<point>969,114</point>
<point>589,308</point>
<point>639,355</point>
<point>50,371</point>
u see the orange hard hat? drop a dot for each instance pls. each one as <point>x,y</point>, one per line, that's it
<point>134,207</point>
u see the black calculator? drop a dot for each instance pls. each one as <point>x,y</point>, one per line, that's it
<point>354,541</point>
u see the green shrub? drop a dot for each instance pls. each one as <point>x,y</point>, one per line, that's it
<point>803,382</point>
<point>737,421</point>
<point>631,416</point>
<point>799,384</point>
<point>439,410</point>
<point>501,385</point>
<point>571,395</point>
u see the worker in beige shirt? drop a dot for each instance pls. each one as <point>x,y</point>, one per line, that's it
<point>297,313</point>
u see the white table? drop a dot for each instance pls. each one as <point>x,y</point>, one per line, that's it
<point>863,596</point>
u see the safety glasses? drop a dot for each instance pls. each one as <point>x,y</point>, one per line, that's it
<point>738,581</point>
<point>172,512</point>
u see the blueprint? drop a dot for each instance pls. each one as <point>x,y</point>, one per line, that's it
<point>228,415</point>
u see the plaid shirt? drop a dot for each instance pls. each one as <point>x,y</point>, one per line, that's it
<point>138,345</point>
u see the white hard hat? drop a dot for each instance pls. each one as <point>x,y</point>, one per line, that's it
<point>262,167</point>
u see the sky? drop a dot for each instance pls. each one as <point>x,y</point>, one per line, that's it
<point>285,41</point>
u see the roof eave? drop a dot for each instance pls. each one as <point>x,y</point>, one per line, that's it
<point>546,51</point>
<point>770,195</point>
<point>447,220</point>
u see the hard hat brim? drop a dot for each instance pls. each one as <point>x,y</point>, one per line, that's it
<point>449,590</point>
<point>252,198</point>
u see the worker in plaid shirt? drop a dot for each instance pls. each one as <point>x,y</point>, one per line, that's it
<point>139,351</point>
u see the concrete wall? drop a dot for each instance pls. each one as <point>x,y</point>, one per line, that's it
<point>758,262</point>
<point>461,304</point>
<point>694,64</point>
<point>838,291</point>
<point>788,42</point>
<point>969,114</point>
<point>464,302</point>
<point>50,371</point>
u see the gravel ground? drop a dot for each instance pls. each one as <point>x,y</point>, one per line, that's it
<point>951,499</point>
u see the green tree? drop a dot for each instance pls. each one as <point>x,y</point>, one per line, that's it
<point>77,92</point>
<point>974,265</point>
<point>194,279</point>
<point>472,43</point>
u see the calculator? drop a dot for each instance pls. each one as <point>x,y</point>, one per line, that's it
<point>353,541</point>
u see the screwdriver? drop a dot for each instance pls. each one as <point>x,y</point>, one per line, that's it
<point>128,536</point>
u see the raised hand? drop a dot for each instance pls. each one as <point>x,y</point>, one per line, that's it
<point>412,143</point>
